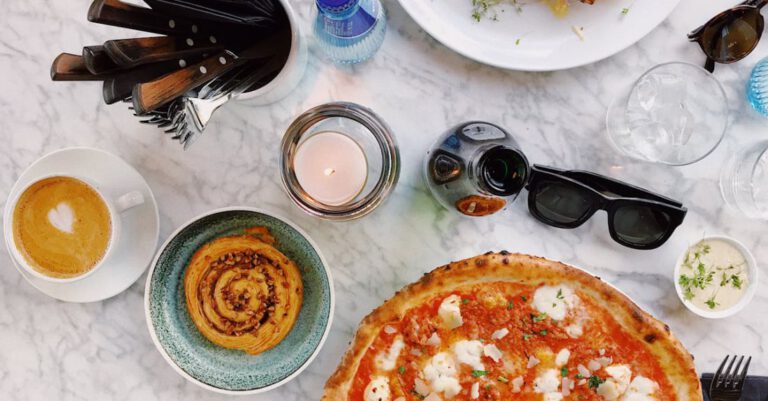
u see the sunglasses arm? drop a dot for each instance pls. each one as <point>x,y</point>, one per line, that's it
<point>756,3</point>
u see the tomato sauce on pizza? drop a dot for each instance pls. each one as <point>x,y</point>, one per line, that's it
<point>507,341</point>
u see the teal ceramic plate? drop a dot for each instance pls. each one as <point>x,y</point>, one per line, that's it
<point>214,367</point>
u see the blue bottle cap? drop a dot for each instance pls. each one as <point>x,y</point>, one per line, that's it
<point>335,6</point>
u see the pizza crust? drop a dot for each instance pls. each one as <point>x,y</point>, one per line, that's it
<point>674,359</point>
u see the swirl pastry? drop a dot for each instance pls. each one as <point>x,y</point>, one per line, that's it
<point>242,293</point>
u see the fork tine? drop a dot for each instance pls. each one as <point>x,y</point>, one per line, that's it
<point>718,377</point>
<point>730,380</point>
<point>739,383</point>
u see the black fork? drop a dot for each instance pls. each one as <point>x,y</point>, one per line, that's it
<point>728,383</point>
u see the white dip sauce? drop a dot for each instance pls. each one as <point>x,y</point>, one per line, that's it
<point>714,275</point>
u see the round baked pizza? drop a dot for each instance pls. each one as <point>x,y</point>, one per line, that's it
<point>513,327</point>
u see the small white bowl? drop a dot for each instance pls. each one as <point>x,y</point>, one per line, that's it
<point>749,293</point>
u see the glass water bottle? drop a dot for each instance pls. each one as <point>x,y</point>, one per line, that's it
<point>349,31</point>
<point>476,168</point>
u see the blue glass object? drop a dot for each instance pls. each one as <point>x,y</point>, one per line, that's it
<point>349,31</point>
<point>757,87</point>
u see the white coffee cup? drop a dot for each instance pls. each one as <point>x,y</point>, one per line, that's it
<point>115,206</point>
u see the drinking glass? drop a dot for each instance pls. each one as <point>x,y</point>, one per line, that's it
<point>676,113</point>
<point>744,181</point>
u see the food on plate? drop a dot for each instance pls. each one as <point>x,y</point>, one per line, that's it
<point>242,293</point>
<point>482,8</point>
<point>512,327</point>
<point>714,275</point>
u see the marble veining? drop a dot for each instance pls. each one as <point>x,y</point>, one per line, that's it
<point>102,351</point>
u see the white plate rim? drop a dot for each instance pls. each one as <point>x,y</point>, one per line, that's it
<point>439,36</point>
<point>184,374</point>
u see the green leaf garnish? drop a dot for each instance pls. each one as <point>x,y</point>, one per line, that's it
<point>479,373</point>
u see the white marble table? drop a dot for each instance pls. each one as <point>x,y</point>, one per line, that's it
<point>51,350</point>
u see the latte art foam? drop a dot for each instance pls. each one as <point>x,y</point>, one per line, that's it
<point>62,227</point>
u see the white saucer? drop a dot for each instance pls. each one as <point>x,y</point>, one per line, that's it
<point>140,225</point>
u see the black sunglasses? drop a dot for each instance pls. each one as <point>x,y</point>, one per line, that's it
<point>731,35</point>
<point>636,218</point>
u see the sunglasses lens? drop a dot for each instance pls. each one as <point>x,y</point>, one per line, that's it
<point>561,202</point>
<point>640,224</point>
<point>733,36</point>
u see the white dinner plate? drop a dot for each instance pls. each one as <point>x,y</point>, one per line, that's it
<point>140,225</point>
<point>533,39</point>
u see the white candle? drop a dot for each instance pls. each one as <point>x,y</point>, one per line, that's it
<point>331,168</point>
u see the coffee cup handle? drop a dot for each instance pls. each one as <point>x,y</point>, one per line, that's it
<point>128,201</point>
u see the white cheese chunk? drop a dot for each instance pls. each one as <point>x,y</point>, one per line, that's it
<point>433,340</point>
<point>554,396</point>
<point>574,330</point>
<point>441,374</point>
<point>450,312</point>
<point>499,334</point>
<point>377,389</point>
<point>555,301</point>
<point>475,392</point>
<point>517,384</point>
<point>547,382</point>
<point>433,397</point>
<point>616,384</point>
<point>493,352</point>
<point>641,389</point>
<point>562,357</point>
<point>386,361</point>
<point>421,387</point>
<point>469,353</point>
<point>532,361</point>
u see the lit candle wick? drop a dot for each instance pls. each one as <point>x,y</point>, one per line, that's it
<point>329,171</point>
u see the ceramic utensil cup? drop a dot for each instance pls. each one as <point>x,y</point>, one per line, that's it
<point>115,205</point>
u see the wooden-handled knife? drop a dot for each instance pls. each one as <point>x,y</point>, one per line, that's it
<point>149,95</point>
<point>129,53</point>
<point>71,67</point>
<point>98,62</point>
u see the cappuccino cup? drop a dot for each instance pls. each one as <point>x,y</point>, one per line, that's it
<point>64,228</point>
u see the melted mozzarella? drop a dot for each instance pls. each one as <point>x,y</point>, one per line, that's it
<point>441,374</point>
<point>450,312</point>
<point>641,389</point>
<point>615,385</point>
<point>517,384</point>
<point>547,382</point>
<point>500,333</point>
<point>386,361</point>
<point>555,301</point>
<point>493,352</point>
<point>475,392</point>
<point>554,396</point>
<point>469,353</point>
<point>562,357</point>
<point>574,330</point>
<point>377,390</point>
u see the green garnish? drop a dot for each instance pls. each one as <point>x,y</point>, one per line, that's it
<point>527,337</point>
<point>487,386</point>
<point>511,305</point>
<point>419,396</point>
<point>517,41</point>
<point>563,372</point>
<point>579,376</point>
<point>401,370</point>
<point>711,303</point>
<point>625,11</point>
<point>595,382</point>
<point>540,317</point>
<point>478,373</point>
<point>524,298</point>
<point>503,379</point>
<point>543,332</point>
<point>560,294</point>
<point>464,301</point>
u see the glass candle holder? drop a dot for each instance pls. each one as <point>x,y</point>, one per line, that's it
<point>339,161</point>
